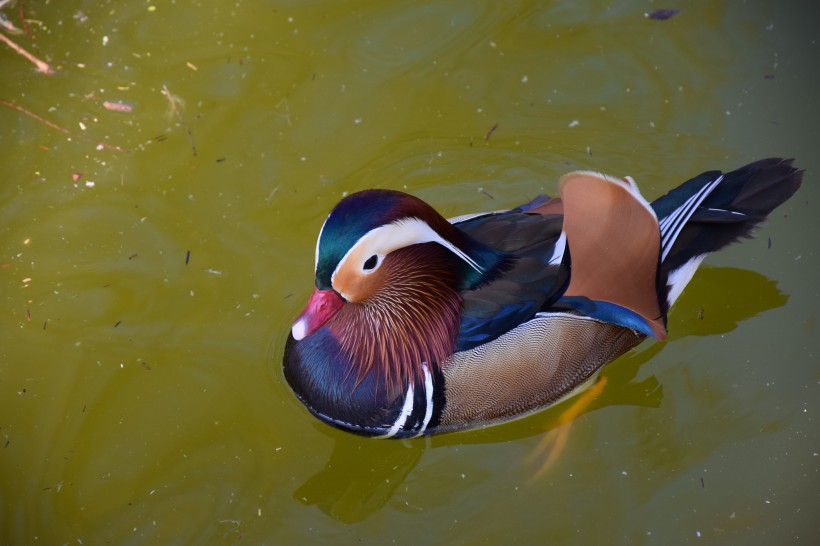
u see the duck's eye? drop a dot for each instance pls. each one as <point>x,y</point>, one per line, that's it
<point>370,263</point>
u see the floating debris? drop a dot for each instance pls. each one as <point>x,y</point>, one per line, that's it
<point>485,192</point>
<point>175,102</point>
<point>100,145</point>
<point>662,14</point>
<point>43,67</point>
<point>118,106</point>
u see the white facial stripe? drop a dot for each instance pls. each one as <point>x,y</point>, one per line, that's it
<point>385,239</point>
<point>406,410</point>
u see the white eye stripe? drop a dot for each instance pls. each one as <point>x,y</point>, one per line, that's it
<point>399,234</point>
<point>416,231</point>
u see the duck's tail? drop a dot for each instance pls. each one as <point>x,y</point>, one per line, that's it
<point>714,210</point>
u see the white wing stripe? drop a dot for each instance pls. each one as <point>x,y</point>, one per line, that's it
<point>560,248</point>
<point>680,214</point>
<point>672,225</point>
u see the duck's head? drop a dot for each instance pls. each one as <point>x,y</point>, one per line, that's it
<point>389,272</point>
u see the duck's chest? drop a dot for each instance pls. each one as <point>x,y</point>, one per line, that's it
<point>321,375</point>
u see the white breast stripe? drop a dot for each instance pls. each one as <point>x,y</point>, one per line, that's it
<point>428,391</point>
<point>406,410</point>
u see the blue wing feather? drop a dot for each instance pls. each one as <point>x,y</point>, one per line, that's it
<point>476,330</point>
<point>608,312</point>
<point>528,286</point>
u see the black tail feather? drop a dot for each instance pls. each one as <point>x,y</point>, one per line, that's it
<point>757,188</point>
<point>743,199</point>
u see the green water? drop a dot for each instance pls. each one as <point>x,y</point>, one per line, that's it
<point>144,305</point>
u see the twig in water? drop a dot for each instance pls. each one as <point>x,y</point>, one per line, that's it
<point>8,25</point>
<point>174,100</point>
<point>58,128</point>
<point>43,67</point>
<point>287,110</point>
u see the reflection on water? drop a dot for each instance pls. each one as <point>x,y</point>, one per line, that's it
<point>742,295</point>
<point>146,295</point>
<point>359,479</point>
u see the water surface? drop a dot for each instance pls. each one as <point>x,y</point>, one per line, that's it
<point>147,293</point>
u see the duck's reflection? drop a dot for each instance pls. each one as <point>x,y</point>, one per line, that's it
<point>361,475</point>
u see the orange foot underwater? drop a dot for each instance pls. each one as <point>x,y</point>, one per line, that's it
<point>555,440</point>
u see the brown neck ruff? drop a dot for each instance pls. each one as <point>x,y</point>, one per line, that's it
<point>411,319</point>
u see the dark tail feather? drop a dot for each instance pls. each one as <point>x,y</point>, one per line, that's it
<point>709,212</point>
<point>742,200</point>
<point>757,189</point>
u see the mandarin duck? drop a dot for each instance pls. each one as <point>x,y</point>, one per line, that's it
<point>421,325</point>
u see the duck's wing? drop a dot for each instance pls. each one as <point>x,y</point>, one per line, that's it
<point>614,242</point>
<point>608,233</point>
<point>536,278</point>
